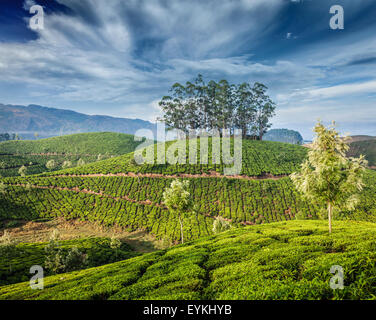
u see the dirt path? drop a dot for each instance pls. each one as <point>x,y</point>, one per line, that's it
<point>213,174</point>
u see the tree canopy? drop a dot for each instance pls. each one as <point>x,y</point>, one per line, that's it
<point>8,136</point>
<point>178,201</point>
<point>218,105</point>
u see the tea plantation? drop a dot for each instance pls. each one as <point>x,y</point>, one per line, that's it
<point>34,154</point>
<point>267,254</point>
<point>135,202</point>
<point>259,158</point>
<point>80,143</point>
<point>285,260</point>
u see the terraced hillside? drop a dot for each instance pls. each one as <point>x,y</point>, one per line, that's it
<point>286,260</point>
<point>89,147</point>
<point>131,196</point>
<point>259,158</point>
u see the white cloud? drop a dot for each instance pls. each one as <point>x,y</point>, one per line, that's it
<point>89,56</point>
<point>341,103</point>
<point>342,90</point>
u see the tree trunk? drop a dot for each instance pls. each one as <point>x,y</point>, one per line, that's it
<point>244,132</point>
<point>181,229</point>
<point>330,209</point>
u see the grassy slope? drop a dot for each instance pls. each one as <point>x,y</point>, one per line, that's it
<point>367,148</point>
<point>14,154</point>
<point>287,260</point>
<point>15,268</point>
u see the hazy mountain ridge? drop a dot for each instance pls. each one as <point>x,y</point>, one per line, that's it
<point>366,148</point>
<point>284,135</point>
<point>49,122</point>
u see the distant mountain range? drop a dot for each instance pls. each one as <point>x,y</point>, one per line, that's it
<point>49,122</point>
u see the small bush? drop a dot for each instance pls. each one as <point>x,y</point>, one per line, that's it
<point>22,171</point>
<point>220,225</point>
<point>74,260</point>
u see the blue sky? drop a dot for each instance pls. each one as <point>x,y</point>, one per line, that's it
<point>119,57</point>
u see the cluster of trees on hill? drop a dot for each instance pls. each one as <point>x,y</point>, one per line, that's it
<point>218,105</point>
<point>8,136</point>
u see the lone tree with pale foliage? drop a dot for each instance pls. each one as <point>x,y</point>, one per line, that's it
<point>66,164</point>
<point>178,201</point>
<point>220,225</point>
<point>22,171</point>
<point>51,164</point>
<point>328,177</point>
<point>80,162</point>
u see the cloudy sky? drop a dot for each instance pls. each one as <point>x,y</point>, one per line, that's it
<point>119,57</point>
